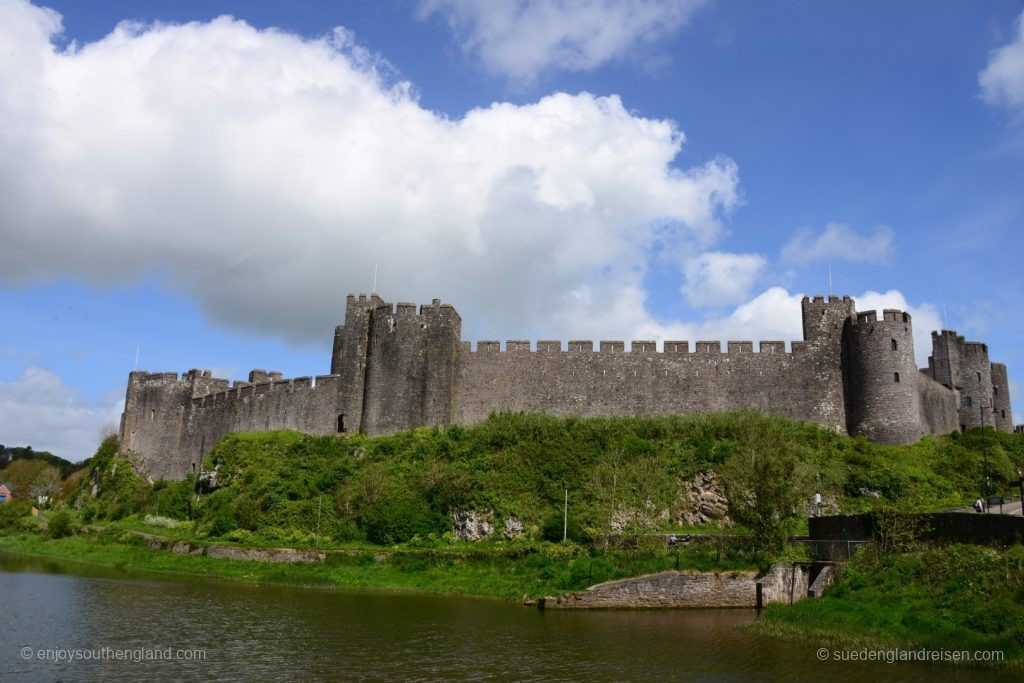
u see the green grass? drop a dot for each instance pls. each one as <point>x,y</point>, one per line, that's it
<point>498,572</point>
<point>284,488</point>
<point>961,597</point>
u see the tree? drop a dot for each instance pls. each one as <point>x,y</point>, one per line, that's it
<point>766,483</point>
<point>45,483</point>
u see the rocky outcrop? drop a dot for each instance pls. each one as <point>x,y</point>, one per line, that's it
<point>471,525</point>
<point>513,528</point>
<point>829,506</point>
<point>702,502</point>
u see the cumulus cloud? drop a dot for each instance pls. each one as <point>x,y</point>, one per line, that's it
<point>523,38</point>
<point>39,410</point>
<point>265,175</point>
<point>840,242</point>
<point>774,315</point>
<point>1002,79</point>
<point>718,278</point>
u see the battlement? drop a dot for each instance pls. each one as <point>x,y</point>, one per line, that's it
<point>832,299</point>
<point>647,347</point>
<point>381,308</point>
<point>889,315</point>
<point>242,391</point>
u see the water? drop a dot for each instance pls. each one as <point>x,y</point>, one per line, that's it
<point>254,632</point>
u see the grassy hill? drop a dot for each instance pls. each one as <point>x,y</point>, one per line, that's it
<point>279,487</point>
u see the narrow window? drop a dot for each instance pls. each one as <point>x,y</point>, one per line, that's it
<point>895,377</point>
<point>341,423</point>
<point>152,413</point>
<point>1003,414</point>
<point>967,401</point>
<point>979,376</point>
<point>995,391</point>
<point>892,342</point>
<point>193,468</point>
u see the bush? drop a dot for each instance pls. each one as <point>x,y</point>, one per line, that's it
<point>12,512</point>
<point>60,525</point>
<point>393,520</point>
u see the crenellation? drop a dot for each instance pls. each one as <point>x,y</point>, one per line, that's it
<point>394,368</point>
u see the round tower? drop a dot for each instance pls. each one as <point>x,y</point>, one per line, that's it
<point>881,383</point>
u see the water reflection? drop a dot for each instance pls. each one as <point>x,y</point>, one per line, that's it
<point>253,632</point>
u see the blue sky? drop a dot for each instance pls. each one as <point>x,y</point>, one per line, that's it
<point>203,191</point>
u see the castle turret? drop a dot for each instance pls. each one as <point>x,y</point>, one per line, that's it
<point>1002,412</point>
<point>824,321</point>
<point>410,366</point>
<point>154,420</point>
<point>882,402</point>
<point>348,360</point>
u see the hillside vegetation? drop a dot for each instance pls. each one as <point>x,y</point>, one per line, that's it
<point>622,475</point>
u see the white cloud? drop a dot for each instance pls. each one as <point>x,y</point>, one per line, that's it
<point>718,278</point>
<point>265,175</point>
<point>521,39</point>
<point>840,242</point>
<point>39,410</point>
<point>1002,79</point>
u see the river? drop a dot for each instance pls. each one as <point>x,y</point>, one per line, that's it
<point>216,630</point>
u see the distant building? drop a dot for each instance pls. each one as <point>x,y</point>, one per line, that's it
<point>5,493</point>
<point>395,368</point>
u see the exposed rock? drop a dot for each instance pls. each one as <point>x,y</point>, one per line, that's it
<point>829,506</point>
<point>869,493</point>
<point>702,502</point>
<point>470,525</point>
<point>637,519</point>
<point>208,480</point>
<point>513,528</point>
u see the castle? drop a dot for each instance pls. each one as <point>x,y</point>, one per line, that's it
<point>394,368</point>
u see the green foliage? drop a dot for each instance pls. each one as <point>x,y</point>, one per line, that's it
<point>60,525</point>
<point>13,454</point>
<point>398,518</point>
<point>12,512</point>
<point>766,480</point>
<point>962,597</point>
<point>619,471</point>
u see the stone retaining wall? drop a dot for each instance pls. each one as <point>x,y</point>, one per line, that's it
<point>783,583</point>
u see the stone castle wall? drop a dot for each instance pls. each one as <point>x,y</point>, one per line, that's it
<point>393,368</point>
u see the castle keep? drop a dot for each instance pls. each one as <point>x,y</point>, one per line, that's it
<point>394,368</point>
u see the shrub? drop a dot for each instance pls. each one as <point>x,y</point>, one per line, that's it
<point>396,519</point>
<point>60,525</point>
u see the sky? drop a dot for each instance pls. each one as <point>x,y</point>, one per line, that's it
<point>200,184</point>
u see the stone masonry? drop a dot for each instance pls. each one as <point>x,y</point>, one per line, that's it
<point>394,367</point>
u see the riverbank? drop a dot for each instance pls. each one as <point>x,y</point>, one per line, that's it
<point>507,573</point>
<point>954,598</point>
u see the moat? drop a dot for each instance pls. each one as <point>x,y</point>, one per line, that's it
<point>250,632</point>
